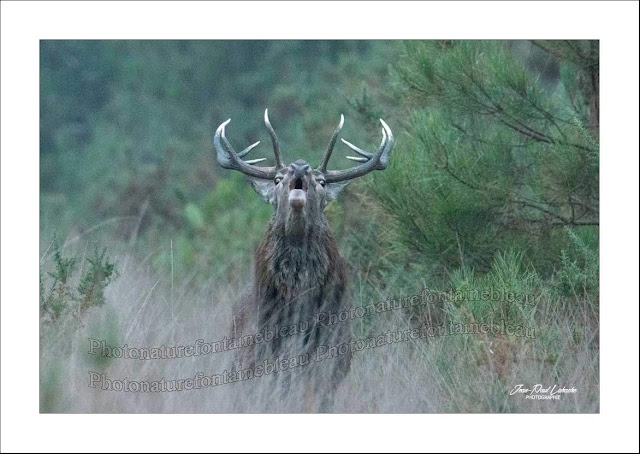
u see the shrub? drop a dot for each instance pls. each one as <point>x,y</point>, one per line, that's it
<point>494,157</point>
<point>62,296</point>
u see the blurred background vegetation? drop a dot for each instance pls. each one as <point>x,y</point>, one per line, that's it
<point>497,151</point>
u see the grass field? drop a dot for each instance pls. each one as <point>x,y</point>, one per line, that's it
<point>441,374</point>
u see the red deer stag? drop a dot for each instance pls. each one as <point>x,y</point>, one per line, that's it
<point>299,273</point>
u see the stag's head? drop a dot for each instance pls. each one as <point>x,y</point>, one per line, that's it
<point>297,192</point>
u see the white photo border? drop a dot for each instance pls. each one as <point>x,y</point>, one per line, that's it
<point>615,24</point>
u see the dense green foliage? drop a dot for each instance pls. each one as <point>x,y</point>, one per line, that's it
<point>494,158</point>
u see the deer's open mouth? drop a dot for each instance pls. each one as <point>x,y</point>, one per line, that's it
<point>298,183</point>
<point>298,193</point>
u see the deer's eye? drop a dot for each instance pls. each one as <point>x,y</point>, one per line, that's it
<point>277,180</point>
<point>322,183</point>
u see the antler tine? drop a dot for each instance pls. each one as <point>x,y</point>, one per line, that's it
<point>255,161</point>
<point>246,151</point>
<point>360,151</point>
<point>355,158</point>
<point>274,140</point>
<point>229,159</point>
<point>323,165</point>
<point>370,161</point>
<point>384,157</point>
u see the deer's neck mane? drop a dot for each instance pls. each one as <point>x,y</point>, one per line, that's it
<point>290,267</point>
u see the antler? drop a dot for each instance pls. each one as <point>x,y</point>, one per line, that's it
<point>274,140</point>
<point>323,165</point>
<point>229,159</point>
<point>370,161</point>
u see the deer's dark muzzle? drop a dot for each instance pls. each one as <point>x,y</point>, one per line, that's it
<point>299,172</point>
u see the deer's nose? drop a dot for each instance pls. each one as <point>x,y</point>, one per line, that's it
<point>300,169</point>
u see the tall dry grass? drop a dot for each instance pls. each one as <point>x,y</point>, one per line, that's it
<point>451,373</point>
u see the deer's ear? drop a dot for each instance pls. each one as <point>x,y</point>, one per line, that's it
<point>264,188</point>
<point>333,189</point>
